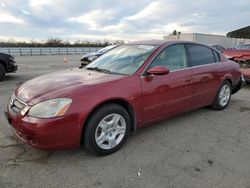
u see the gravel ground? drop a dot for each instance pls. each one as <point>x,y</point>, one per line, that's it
<point>202,148</point>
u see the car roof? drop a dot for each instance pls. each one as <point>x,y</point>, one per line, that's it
<point>150,42</point>
<point>160,42</point>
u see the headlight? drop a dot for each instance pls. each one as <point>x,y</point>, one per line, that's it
<point>11,58</point>
<point>50,108</point>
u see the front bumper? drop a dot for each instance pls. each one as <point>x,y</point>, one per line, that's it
<point>12,67</point>
<point>47,134</point>
<point>246,74</point>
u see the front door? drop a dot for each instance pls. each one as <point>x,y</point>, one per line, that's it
<point>166,95</point>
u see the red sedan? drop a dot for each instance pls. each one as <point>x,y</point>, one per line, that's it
<point>127,88</point>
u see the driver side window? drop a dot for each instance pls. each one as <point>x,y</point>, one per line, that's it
<point>173,57</point>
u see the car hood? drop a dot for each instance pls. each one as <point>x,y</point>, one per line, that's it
<point>59,84</point>
<point>91,54</point>
<point>5,55</point>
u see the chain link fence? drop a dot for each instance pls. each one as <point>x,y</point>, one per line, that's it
<point>47,51</point>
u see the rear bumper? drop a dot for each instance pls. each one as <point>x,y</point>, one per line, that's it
<point>241,84</point>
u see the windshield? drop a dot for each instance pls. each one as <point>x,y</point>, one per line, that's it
<point>125,59</point>
<point>103,50</point>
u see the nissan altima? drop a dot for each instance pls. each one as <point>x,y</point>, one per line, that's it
<point>129,87</point>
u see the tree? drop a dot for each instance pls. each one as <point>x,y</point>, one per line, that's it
<point>174,32</point>
<point>119,42</point>
<point>54,42</point>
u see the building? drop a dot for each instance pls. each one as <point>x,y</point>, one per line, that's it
<point>240,36</point>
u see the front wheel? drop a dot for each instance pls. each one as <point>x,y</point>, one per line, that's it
<point>107,129</point>
<point>2,72</point>
<point>223,96</point>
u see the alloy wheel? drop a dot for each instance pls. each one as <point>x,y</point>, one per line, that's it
<point>110,131</point>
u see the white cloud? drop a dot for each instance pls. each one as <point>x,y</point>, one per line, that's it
<point>93,19</point>
<point>39,3</point>
<point>117,28</point>
<point>49,10</point>
<point>7,18</point>
<point>15,38</point>
<point>25,12</point>
<point>154,10</point>
<point>128,20</point>
<point>149,22</point>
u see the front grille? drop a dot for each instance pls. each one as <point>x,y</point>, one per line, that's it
<point>16,105</point>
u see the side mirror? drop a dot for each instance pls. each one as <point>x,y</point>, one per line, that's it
<point>158,70</point>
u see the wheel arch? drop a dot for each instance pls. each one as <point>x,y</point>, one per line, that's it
<point>122,102</point>
<point>229,78</point>
<point>230,81</point>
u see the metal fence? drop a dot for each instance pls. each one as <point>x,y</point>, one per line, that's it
<point>47,51</point>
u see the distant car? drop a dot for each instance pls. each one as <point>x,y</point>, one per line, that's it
<point>218,47</point>
<point>241,55</point>
<point>7,65</point>
<point>243,47</point>
<point>246,74</point>
<point>126,88</point>
<point>89,57</point>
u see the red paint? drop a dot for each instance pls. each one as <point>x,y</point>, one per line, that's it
<point>238,55</point>
<point>152,97</point>
<point>158,70</point>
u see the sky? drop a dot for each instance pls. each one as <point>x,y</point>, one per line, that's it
<point>126,20</point>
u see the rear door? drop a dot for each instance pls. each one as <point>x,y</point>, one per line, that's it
<point>206,69</point>
<point>167,95</point>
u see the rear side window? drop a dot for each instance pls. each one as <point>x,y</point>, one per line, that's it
<point>173,57</point>
<point>200,55</point>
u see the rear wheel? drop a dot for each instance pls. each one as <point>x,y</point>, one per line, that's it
<point>2,72</point>
<point>223,96</point>
<point>107,129</point>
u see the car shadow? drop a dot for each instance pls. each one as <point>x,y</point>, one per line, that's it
<point>24,153</point>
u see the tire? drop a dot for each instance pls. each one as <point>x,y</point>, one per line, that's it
<point>107,129</point>
<point>2,72</point>
<point>223,96</point>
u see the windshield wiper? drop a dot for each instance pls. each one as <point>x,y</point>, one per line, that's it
<point>99,69</point>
